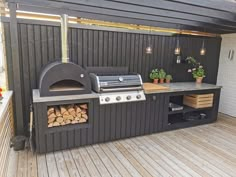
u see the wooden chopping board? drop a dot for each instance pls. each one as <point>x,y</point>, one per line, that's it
<point>150,87</point>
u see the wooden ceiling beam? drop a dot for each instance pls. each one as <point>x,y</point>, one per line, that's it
<point>24,17</point>
<point>222,5</point>
<point>176,6</point>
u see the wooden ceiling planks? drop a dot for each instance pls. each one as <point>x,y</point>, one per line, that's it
<point>213,16</point>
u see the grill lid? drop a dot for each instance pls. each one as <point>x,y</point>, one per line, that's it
<point>119,81</point>
<point>116,82</point>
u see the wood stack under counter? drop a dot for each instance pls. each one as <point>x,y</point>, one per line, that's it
<point>67,114</point>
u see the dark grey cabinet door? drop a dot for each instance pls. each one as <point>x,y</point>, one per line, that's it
<point>155,112</point>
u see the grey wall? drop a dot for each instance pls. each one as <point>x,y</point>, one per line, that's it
<point>40,44</point>
<point>227,76</point>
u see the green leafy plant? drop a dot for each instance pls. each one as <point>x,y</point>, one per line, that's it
<point>162,74</point>
<point>169,77</point>
<point>154,74</point>
<point>197,70</point>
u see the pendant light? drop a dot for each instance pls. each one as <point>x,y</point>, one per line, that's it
<point>203,49</point>
<point>149,47</point>
<point>177,48</point>
<point>178,59</point>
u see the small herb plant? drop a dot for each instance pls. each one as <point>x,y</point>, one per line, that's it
<point>197,70</point>
<point>169,77</point>
<point>154,74</point>
<point>162,74</point>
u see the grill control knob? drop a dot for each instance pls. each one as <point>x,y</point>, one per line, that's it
<point>107,99</point>
<point>118,98</point>
<point>128,97</point>
<point>138,97</point>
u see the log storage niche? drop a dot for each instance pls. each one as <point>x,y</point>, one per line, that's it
<point>61,115</point>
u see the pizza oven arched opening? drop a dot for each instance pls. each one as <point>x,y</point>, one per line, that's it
<point>66,85</point>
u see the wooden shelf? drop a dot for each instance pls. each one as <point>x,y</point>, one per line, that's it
<point>69,127</point>
<point>183,123</point>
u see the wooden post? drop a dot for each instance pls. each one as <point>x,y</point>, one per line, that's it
<point>17,80</point>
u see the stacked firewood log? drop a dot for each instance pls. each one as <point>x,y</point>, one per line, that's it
<point>67,114</point>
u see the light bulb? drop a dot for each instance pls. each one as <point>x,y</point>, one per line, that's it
<point>202,51</point>
<point>149,50</point>
<point>177,50</point>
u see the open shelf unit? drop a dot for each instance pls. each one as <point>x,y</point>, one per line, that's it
<point>187,116</point>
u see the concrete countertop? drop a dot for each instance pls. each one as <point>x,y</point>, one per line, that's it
<point>38,99</point>
<point>186,86</point>
<point>174,87</point>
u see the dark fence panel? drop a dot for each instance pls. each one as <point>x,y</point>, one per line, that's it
<point>40,44</point>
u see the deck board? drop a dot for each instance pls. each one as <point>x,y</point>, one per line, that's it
<point>51,163</point>
<point>105,159</point>
<point>207,150</point>
<point>72,168</point>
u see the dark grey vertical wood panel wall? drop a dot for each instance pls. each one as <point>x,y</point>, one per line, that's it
<point>40,44</point>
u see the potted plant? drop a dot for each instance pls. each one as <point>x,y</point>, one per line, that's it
<point>197,71</point>
<point>154,75</point>
<point>162,75</point>
<point>168,78</point>
<point>1,97</point>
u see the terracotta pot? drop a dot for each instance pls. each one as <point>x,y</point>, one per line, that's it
<point>168,81</point>
<point>161,81</point>
<point>155,81</point>
<point>199,80</point>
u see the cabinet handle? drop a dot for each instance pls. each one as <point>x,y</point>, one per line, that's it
<point>229,54</point>
<point>232,55</point>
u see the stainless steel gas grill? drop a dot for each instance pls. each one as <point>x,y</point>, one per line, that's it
<point>116,86</point>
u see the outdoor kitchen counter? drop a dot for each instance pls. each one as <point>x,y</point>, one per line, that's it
<point>111,122</point>
<point>173,87</point>
<point>38,99</point>
<point>185,86</point>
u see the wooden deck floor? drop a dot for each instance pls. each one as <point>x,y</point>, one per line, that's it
<point>207,150</point>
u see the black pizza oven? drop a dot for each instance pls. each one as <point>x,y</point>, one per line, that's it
<point>64,77</point>
<point>59,78</point>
